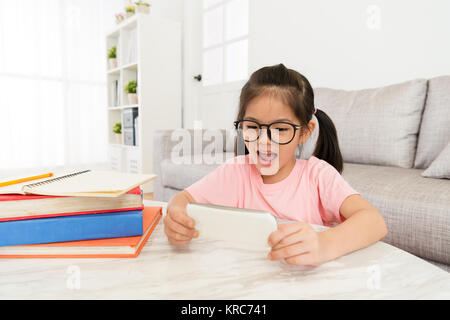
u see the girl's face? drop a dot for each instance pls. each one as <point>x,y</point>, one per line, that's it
<point>270,158</point>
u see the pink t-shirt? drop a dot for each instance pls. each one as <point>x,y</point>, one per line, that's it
<point>313,192</point>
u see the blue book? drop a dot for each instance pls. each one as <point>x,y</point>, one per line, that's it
<point>71,228</point>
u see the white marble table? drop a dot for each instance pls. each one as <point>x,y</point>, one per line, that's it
<point>216,270</point>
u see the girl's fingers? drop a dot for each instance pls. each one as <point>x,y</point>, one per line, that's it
<point>283,231</point>
<point>178,228</point>
<point>173,235</point>
<point>290,239</point>
<point>178,242</point>
<point>289,251</point>
<point>305,259</point>
<point>182,218</point>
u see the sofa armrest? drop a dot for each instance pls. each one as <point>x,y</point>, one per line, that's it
<point>162,146</point>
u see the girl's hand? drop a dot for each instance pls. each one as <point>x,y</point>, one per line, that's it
<point>298,244</point>
<point>178,226</point>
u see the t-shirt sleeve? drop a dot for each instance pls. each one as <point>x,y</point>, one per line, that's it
<point>219,187</point>
<point>332,190</point>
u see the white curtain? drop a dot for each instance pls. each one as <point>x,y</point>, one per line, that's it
<point>52,83</point>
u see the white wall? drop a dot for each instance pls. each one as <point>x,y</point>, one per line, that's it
<point>337,43</point>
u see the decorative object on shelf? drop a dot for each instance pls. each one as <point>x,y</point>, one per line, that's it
<point>136,130</point>
<point>130,10</point>
<point>132,47</point>
<point>130,88</point>
<point>128,125</point>
<point>112,57</point>
<point>120,17</point>
<point>117,129</point>
<point>142,7</point>
<point>114,91</point>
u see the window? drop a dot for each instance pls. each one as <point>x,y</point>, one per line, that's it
<point>225,41</point>
<point>52,86</point>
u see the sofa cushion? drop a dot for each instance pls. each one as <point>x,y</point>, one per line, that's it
<point>440,167</point>
<point>435,127</point>
<point>416,209</point>
<point>376,126</point>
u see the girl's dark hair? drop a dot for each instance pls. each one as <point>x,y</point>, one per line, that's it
<point>295,91</point>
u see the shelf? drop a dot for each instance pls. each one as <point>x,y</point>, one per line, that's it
<point>129,66</point>
<point>114,34</point>
<point>114,71</point>
<point>124,146</point>
<point>123,107</point>
<point>129,147</point>
<point>142,43</point>
<point>128,23</point>
<point>131,106</point>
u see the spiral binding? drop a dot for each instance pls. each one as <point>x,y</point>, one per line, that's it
<point>55,179</point>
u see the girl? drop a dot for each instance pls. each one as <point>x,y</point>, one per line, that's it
<point>274,117</point>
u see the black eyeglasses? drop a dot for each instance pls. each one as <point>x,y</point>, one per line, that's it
<point>279,132</point>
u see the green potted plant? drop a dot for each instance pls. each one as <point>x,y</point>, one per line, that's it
<point>142,7</point>
<point>112,57</point>
<point>117,129</point>
<point>130,10</point>
<point>131,89</point>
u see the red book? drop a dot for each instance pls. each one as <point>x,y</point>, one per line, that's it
<point>18,207</point>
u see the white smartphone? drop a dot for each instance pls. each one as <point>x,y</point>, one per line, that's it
<point>248,227</point>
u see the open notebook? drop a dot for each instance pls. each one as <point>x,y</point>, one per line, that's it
<point>82,184</point>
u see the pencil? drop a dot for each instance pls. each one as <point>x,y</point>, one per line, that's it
<point>8,183</point>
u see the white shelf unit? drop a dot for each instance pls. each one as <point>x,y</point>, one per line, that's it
<point>156,65</point>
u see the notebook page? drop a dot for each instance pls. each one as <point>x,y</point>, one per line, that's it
<point>94,181</point>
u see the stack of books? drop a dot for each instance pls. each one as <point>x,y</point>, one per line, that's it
<point>84,214</point>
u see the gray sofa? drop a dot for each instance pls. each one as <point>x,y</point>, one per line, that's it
<point>389,138</point>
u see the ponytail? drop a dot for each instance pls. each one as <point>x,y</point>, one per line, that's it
<point>327,146</point>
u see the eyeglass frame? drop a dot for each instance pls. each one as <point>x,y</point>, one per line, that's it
<point>269,134</point>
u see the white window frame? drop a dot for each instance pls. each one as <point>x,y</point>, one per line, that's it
<point>223,44</point>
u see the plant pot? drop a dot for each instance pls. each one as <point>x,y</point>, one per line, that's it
<point>130,14</point>
<point>119,18</point>
<point>132,98</point>
<point>118,138</point>
<point>142,9</point>
<point>112,63</point>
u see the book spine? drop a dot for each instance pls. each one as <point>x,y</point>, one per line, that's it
<point>68,214</point>
<point>71,228</point>
<point>116,92</point>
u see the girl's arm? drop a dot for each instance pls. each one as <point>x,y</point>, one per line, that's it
<point>298,243</point>
<point>363,226</point>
